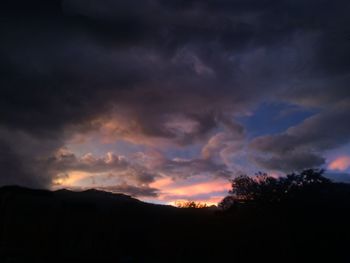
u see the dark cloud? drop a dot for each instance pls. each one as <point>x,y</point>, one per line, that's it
<point>137,191</point>
<point>65,160</point>
<point>179,168</point>
<point>22,159</point>
<point>291,161</point>
<point>108,167</point>
<point>72,75</point>
<point>171,70</point>
<point>13,171</point>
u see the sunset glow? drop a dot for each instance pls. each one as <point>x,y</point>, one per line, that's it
<point>208,192</point>
<point>341,163</point>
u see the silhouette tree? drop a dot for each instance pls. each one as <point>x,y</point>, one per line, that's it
<point>190,204</point>
<point>263,189</point>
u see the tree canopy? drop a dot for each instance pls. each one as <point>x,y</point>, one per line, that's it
<point>265,189</point>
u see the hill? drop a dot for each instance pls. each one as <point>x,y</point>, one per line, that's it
<point>96,226</point>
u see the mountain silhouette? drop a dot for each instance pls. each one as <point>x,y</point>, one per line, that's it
<point>97,226</point>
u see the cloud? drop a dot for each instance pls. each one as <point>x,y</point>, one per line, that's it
<point>222,145</point>
<point>66,161</point>
<point>291,161</point>
<point>22,159</point>
<point>341,163</point>
<point>111,169</point>
<point>138,191</point>
<point>301,146</point>
<point>182,168</point>
<point>83,53</point>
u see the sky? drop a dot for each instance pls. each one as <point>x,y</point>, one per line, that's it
<point>168,100</point>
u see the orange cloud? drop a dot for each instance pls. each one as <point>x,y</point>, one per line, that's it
<point>162,183</point>
<point>341,163</point>
<point>70,180</point>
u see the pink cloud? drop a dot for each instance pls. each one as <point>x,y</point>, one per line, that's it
<point>206,191</point>
<point>341,163</point>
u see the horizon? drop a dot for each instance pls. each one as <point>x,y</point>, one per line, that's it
<point>175,203</point>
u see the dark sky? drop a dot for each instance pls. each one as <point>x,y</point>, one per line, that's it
<point>166,100</point>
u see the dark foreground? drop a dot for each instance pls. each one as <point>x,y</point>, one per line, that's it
<point>92,226</point>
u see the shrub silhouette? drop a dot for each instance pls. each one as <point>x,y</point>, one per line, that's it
<point>190,204</point>
<point>264,189</point>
